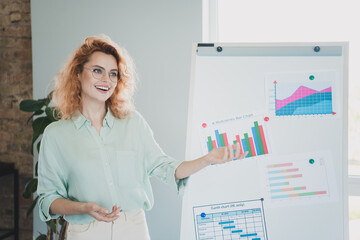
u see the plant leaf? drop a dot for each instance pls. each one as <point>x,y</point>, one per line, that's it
<point>53,225</point>
<point>36,168</point>
<point>51,113</point>
<point>31,207</point>
<point>38,146</point>
<point>30,188</point>
<point>30,105</point>
<point>41,237</point>
<point>39,126</point>
<point>49,98</point>
<point>34,114</point>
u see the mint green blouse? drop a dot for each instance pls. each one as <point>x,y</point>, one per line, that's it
<point>113,167</point>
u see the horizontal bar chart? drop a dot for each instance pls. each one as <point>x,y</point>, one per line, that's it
<point>296,178</point>
<point>299,195</point>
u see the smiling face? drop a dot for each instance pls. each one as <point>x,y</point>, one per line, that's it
<point>95,88</point>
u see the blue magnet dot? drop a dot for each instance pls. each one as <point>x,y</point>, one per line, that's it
<point>203,215</point>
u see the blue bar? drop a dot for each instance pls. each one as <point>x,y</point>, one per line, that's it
<point>226,222</point>
<point>228,227</point>
<point>217,135</point>
<point>278,184</point>
<point>236,231</point>
<point>208,145</point>
<point>277,178</point>
<point>248,235</point>
<point>276,190</point>
<point>274,172</point>
<point>256,239</point>
<point>244,146</point>
<point>280,196</point>
<point>256,141</point>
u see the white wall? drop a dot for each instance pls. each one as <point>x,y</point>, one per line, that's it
<point>158,34</point>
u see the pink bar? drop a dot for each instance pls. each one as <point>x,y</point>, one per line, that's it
<point>290,170</point>
<point>280,165</point>
<point>238,140</point>
<point>294,176</point>
<point>320,192</point>
<point>225,140</point>
<point>252,146</point>
<point>214,143</point>
<point>263,139</point>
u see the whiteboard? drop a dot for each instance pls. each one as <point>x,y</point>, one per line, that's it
<point>286,103</point>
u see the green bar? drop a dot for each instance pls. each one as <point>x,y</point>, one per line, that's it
<point>235,142</point>
<point>306,194</point>
<point>257,129</point>
<point>222,140</point>
<point>248,145</point>
<point>297,188</point>
<point>210,143</point>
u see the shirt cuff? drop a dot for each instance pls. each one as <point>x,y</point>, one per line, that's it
<point>44,208</point>
<point>180,183</point>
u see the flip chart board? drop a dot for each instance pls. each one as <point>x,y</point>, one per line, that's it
<point>286,104</point>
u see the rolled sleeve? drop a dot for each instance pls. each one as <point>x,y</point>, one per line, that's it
<point>158,164</point>
<point>51,183</point>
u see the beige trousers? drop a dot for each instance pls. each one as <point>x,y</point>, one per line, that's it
<point>129,226</point>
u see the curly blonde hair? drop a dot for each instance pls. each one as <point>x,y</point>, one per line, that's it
<point>67,93</point>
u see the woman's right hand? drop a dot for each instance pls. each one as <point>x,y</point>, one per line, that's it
<point>102,214</point>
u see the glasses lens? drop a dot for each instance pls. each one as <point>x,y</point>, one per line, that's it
<point>113,76</point>
<point>97,73</point>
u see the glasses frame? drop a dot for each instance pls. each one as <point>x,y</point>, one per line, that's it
<point>104,74</point>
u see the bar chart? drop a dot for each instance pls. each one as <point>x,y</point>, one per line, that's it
<point>247,130</point>
<point>237,220</point>
<point>297,178</point>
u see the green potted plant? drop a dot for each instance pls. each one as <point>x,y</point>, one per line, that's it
<point>44,115</point>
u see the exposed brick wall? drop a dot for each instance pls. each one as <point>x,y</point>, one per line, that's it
<point>15,85</point>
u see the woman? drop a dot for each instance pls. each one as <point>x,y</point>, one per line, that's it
<point>95,162</point>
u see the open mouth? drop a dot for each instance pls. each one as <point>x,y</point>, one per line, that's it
<point>102,88</point>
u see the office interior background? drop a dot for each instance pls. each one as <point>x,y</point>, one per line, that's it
<point>37,37</point>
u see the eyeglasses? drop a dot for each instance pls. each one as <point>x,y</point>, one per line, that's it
<point>99,73</point>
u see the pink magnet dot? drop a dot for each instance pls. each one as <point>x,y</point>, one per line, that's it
<point>266,119</point>
<point>204,125</point>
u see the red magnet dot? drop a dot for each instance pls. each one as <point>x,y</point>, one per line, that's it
<point>204,125</point>
<point>266,119</point>
<point>333,113</point>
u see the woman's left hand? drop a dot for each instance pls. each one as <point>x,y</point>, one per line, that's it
<point>225,154</point>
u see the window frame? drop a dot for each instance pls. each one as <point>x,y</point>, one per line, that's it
<point>211,34</point>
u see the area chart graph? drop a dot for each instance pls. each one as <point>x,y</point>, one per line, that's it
<point>304,101</point>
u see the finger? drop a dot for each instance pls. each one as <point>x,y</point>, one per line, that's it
<point>113,213</point>
<point>231,153</point>
<point>226,153</point>
<point>107,219</point>
<point>244,155</point>
<point>237,151</point>
<point>99,217</point>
